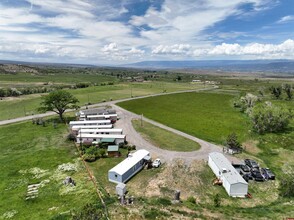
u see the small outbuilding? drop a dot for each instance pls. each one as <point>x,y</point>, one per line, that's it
<point>113,151</point>
<point>126,169</point>
<point>231,180</point>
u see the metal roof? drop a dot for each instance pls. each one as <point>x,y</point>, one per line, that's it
<point>129,162</point>
<point>89,122</point>
<point>113,130</point>
<point>107,140</point>
<point>112,148</point>
<point>116,136</point>
<point>231,173</point>
<point>77,127</point>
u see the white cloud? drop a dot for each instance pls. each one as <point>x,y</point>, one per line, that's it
<point>136,51</point>
<point>91,30</point>
<point>283,50</point>
<point>286,19</point>
<point>112,47</point>
<point>178,49</point>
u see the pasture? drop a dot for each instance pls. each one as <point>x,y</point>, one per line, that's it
<point>27,104</point>
<point>33,154</point>
<point>208,116</point>
<point>164,139</point>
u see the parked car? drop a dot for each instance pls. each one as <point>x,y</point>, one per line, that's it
<point>247,177</point>
<point>156,163</point>
<point>244,169</point>
<point>268,174</point>
<point>251,163</point>
<point>256,174</point>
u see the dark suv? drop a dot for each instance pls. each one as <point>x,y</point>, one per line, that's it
<point>268,174</point>
<point>251,163</point>
<point>256,174</point>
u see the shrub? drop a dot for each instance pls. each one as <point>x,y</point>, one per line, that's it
<point>287,186</point>
<point>217,200</point>
<point>89,157</point>
<point>269,118</point>
<point>92,150</point>
<point>71,137</point>
<point>102,152</point>
<point>246,103</point>
<point>191,199</point>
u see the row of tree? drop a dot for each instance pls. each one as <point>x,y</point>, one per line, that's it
<point>277,91</point>
<point>265,117</point>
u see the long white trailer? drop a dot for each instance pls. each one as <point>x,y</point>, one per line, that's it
<point>101,131</point>
<point>110,138</point>
<point>94,122</point>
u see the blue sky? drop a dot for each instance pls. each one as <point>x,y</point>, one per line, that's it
<point>113,32</point>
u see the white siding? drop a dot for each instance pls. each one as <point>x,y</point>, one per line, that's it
<point>233,183</point>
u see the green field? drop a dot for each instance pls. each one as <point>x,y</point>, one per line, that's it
<point>27,105</point>
<point>208,116</point>
<point>164,139</point>
<point>31,154</point>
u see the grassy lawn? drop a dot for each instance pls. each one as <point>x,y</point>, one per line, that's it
<point>208,116</point>
<point>19,106</point>
<point>164,139</point>
<point>31,154</point>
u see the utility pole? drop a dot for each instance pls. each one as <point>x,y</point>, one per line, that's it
<point>142,120</point>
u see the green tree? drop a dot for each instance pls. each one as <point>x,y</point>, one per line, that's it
<point>2,92</point>
<point>276,91</point>
<point>232,141</point>
<point>270,118</point>
<point>288,90</point>
<point>246,103</point>
<point>58,101</point>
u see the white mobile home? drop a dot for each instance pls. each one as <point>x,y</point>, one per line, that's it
<point>123,171</point>
<point>101,131</point>
<point>97,122</point>
<point>112,117</point>
<point>110,138</point>
<point>78,127</point>
<point>232,181</point>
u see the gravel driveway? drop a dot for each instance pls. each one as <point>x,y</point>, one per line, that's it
<point>167,156</point>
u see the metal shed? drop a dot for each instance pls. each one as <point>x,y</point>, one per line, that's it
<point>126,169</point>
<point>232,181</point>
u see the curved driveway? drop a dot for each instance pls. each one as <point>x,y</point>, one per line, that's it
<point>135,138</point>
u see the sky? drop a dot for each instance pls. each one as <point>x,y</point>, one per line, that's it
<point>115,32</point>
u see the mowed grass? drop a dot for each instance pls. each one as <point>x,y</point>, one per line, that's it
<point>31,154</point>
<point>209,116</point>
<point>164,139</point>
<point>27,105</point>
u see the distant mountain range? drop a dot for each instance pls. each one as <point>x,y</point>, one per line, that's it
<point>262,66</point>
<point>284,66</point>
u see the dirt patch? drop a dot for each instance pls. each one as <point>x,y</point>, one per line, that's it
<point>175,176</point>
<point>251,147</point>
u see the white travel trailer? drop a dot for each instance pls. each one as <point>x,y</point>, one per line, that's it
<point>126,169</point>
<point>232,181</point>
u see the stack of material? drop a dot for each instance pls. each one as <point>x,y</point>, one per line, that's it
<point>32,191</point>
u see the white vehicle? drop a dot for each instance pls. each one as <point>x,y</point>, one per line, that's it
<point>156,163</point>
